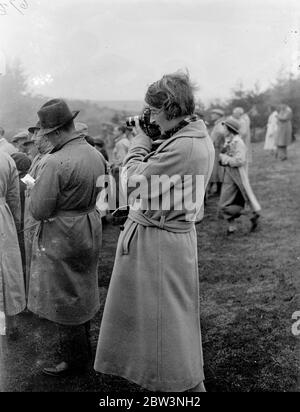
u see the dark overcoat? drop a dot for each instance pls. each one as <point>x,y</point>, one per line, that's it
<point>63,284</point>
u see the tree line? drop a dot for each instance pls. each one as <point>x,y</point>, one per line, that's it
<point>18,107</point>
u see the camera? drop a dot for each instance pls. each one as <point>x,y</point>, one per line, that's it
<point>150,129</point>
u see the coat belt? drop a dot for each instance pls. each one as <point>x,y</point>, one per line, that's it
<point>73,213</point>
<point>174,226</point>
<point>138,218</point>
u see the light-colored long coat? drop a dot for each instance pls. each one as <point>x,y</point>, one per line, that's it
<point>150,331</point>
<point>272,127</point>
<point>217,136</point>
<point>63,285</point>
<point>236,177</point>
<point>245,133</point>
<point>12,293</point>
<point>284,130</point>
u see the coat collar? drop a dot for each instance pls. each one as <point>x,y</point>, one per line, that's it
<point>72,137</point>
<point>196,129</point>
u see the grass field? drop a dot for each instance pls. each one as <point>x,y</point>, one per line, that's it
<point>250,287</point>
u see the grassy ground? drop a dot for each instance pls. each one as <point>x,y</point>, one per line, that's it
<point>250,286</point>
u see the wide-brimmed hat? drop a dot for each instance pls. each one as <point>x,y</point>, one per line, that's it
<point>232,123</point>
<point>55,114</point>
<point>220,112</point>
<point>20,136</point>
<point>32,129</point>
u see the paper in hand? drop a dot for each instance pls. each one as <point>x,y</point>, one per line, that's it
<point>28,180</point>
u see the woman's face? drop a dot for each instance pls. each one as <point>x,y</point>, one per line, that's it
<point>158,117</point>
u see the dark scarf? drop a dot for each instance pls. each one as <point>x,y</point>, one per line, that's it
<point>169,133</point>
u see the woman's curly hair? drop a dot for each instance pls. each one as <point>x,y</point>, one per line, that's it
<point>174,93</point>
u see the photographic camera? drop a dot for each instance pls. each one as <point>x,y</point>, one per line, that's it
<point>150,129</point>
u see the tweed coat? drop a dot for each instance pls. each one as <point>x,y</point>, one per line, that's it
<point>150,331</point>
<point>63,285</point>
<point>12,293</point>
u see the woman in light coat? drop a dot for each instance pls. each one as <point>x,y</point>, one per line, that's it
<point>272,127</point>
<point>12,292</point>
<point>150,331</point>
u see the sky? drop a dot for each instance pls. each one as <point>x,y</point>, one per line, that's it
<point>113,49</point>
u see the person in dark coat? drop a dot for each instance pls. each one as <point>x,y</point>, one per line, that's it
<point>283,137</point>
<point>63,286</point>
<point>43,147</point>
<point>23,164</point>
<point>100,146</point>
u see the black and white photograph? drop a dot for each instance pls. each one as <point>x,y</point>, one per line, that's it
<point>149,198</point>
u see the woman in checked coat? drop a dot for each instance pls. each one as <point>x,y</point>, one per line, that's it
<point>150,331</point>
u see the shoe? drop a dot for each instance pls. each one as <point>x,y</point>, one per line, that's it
<point>254,222</point>
<point>62,369</point>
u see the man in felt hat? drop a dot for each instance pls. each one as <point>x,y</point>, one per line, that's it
<point>5,146</point>
<point>30,148</point>
<point>19,139</point>
<point>236,190</point>
<point>217,135</point>
<point>63,286</point>
<point>82,129</point>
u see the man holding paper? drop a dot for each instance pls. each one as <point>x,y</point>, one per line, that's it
<point>63,285</point>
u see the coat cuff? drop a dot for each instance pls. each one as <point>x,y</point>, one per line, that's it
<point>141,141</point>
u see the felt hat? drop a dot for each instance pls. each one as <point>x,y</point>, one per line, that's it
<point>232,123</point>
<point>220,112</point>
<point>55,114</point>
<point>20,136</point>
